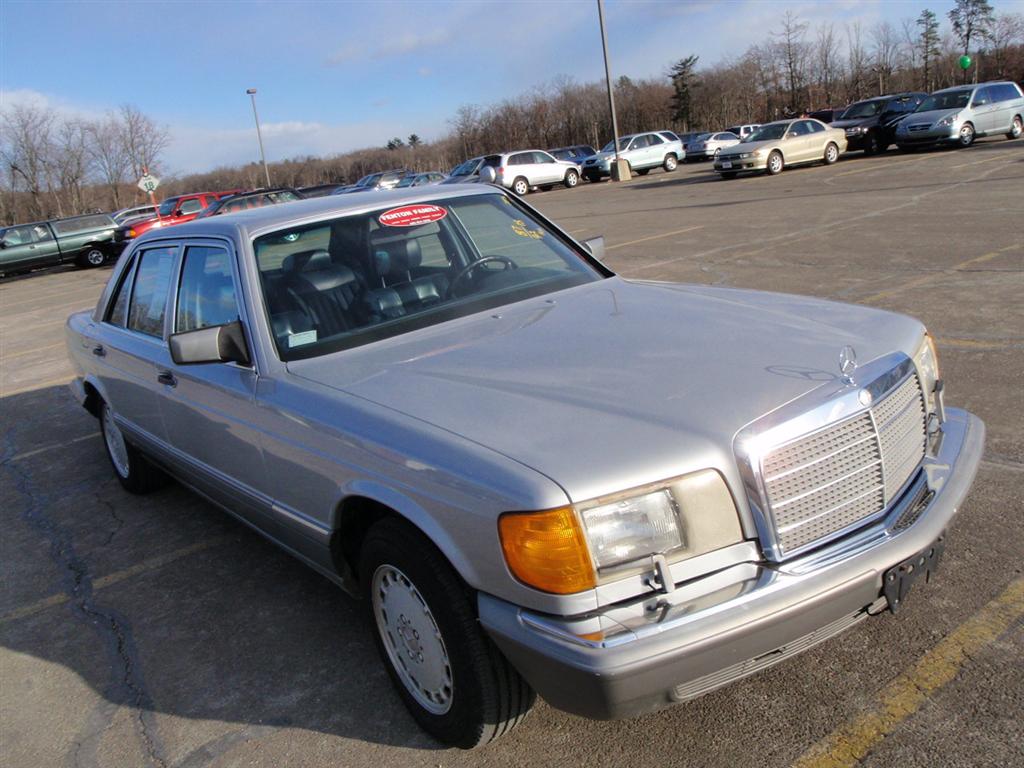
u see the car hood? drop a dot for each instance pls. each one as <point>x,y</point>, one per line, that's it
<point>615,384</point>
<point>854,122</point>
<point>930,117</point>
<point>750,146</point>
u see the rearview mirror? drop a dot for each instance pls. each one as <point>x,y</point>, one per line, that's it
<point>595,245</point>
<point>488,175</point>
<point>216,344</point>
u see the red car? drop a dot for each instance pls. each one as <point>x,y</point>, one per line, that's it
<point>173,210</point>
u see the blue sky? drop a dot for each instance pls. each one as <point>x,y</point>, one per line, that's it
<point>334,76</point>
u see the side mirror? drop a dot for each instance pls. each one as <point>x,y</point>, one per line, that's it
<point>595,245</point>
<point>488,175</point>
<point>216,344</point>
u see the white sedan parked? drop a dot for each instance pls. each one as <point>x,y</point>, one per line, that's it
<point>709,147</point>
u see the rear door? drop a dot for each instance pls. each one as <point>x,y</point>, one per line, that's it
<point>985,109</point>
<point>656,147</point>
<point>548,167</point>
<point>208,408</point>
<point>131,344</point>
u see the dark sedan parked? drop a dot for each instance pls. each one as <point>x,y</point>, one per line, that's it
<point>871,124</point>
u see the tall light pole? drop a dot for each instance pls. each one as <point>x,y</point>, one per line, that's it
<point>618,168</point>
<point>259,135</point>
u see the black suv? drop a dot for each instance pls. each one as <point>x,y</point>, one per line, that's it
<point>871,124</point>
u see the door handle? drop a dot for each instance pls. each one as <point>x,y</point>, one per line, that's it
<point>99,351</point>
<point>167,378</point>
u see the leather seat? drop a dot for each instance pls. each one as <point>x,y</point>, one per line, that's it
<point>326,292</point>
<point>395,258</point>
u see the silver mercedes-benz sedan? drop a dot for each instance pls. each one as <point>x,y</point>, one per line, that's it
<point>540,477</point>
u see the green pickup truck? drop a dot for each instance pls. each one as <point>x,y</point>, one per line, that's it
<point>82,239</point>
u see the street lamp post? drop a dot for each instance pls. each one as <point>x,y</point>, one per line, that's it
<point>618,170</point>
<point>259,134</point>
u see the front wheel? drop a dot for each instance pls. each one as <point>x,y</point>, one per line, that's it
<point>92,257</point>
<point>831,153</point>
<point>133,470</point>
<point>670,163</point>
<point>775,163</point>
<point>966,137</point>
<point>572,178</point>
<point>520,186</point>
<point>454,681</point>
<point>1016,128</point>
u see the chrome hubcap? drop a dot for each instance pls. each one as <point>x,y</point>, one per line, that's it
<point>965,134</point>
<point>1016,128</point>
<point>671,163</point>
<point>115,443</point>
<point>95,257</point>
<point>573,179</point>
<point>412,639</point>
<point>831,153</point>
<point>520,188</point>
<point>775,163</point>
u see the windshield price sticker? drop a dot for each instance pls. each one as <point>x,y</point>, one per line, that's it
<point>519,227</point>
<point>412,215</point>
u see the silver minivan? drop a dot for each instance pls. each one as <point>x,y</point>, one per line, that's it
<point>959,115</point>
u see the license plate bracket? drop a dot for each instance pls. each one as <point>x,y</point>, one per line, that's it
<point>897,581</point>
<point>727,165</point>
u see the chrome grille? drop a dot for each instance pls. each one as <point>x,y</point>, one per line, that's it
<point>828,481</point>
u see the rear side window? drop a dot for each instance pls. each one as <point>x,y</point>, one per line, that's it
<point>1005,92</point>
<point>654,139</point>
<point>149,291</point>
<point>206,296</point>
<point>118,314</point>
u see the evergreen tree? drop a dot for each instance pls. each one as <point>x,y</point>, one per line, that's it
<point>683,82</point>
<point>928,42</point>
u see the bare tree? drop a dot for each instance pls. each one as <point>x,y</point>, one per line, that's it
<point>971,20</point>
<point>25,147</point>
<point>885,52</point>
<point>1006,32</point>
<point>827,63</point>
<point>142,140</point>
<point>69,163</point>
<point>856,62</point>
<point>793,51</point>
<point>108,158</point>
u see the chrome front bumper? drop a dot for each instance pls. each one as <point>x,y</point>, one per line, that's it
<point>666,648</point>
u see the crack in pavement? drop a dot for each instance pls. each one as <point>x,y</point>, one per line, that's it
<point>126,686</point>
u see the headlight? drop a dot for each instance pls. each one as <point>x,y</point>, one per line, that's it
<point>946,122</point>
<point>571,549</point>
<point>927,361</point>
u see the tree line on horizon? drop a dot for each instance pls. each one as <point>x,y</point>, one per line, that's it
<point>56,167</point>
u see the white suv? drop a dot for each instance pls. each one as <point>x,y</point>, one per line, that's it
<point>642,151</point>
<point>532,168</point>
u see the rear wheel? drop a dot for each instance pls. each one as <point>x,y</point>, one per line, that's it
<point>454,681</point>
<point>966,137</point>
<point>1016,128</point>
<point>572,178</point>
<point>775,163</point>
<point>133,470</point>
<point>91,257</point>
<point>520,186</point>
<point>669,163</point>
<point>831,153</point>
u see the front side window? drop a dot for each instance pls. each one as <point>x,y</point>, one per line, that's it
<point>193,205</point>
<point>149,291</point>
<point>359,278</point>
<point>206,295</point>
<point>949,100</point>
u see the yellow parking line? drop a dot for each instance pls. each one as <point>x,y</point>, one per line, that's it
<point>926,278</point>
<point>9,355</point>
<point>149,564</point>
<point>885,166</point>
<point>848,744</point>
<point>652,237</point>
<point>999,156</point>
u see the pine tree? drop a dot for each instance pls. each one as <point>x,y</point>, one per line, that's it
<point>682,76</point>
<point>928,43</point>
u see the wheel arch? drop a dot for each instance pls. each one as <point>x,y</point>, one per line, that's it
<point>93,395</point>
<point>364,504</point>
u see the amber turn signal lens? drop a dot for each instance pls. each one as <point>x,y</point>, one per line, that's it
<point>547,550</point>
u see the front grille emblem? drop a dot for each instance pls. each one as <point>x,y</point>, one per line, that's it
<point>847,363</point>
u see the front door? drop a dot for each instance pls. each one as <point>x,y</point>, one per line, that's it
<point>208,408</point>
<point>31,245</point>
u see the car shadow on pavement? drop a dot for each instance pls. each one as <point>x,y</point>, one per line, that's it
<point>166,605</point>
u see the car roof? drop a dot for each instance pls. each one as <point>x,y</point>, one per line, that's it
<point>258,220</point>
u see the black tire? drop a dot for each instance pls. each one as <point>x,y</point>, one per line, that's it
<point>134,471</point>
<point>643,171</point>
<point>966,137</point>
<point>728,174</point>
<point>831,154</point>
<point>572,178</point>
<point>93,256</point>
<point>670,163</point>
<point>520,186</point>
<point>487,697</point>
<point>775,164</point>
<point>1016,128</point>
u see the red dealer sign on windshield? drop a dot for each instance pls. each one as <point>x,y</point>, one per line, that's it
<point>412,215</point>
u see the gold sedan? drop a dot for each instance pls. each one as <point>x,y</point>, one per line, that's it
<point>776,145</point>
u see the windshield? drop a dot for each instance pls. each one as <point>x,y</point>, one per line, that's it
<point>623,143</point>
<point>467,168</point>
<point>862,109</point>
<point>356,279</point>
<point>951,100</point>
<point>767,133</point>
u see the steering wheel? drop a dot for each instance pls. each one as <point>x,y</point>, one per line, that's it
<point>509,264</point>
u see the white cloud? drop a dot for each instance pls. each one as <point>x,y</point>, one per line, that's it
<point>402,45</point>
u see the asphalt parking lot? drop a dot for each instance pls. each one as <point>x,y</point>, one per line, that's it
<point>156,631</point>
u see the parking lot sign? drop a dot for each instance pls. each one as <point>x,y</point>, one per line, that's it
<point>149,183</point>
